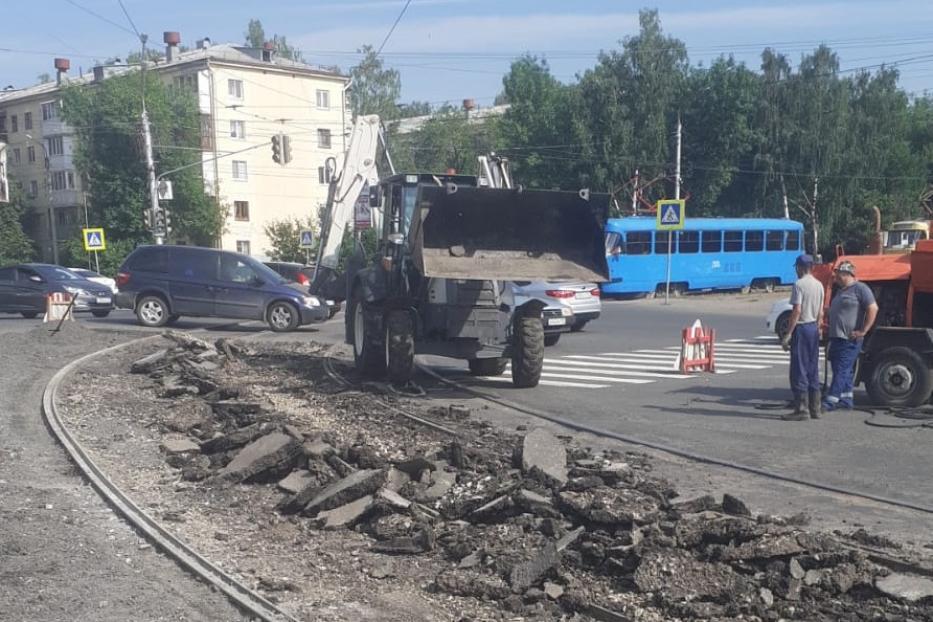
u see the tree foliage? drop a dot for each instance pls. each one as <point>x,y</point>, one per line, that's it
<point>256,36</point>
<point>375,89</point>
<point>110,157</point>
<point>15,245</point>
<point>285,236</point>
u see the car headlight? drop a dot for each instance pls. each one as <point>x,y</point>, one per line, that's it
<point>73,290</point>
<point>566,311</point>
<point>310,301</point>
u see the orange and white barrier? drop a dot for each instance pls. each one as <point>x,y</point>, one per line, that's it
<point>698,349</point>
<point>58,306</point>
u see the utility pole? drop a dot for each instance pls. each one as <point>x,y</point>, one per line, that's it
<point>670,234</point>
<point>157,234</point>
<point>635,195</point>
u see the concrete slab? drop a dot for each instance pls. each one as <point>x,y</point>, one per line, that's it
<point>543,452</point>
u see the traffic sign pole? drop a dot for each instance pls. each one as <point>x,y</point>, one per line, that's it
<point>670,235</point>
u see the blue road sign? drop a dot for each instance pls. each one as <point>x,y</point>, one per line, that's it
<point>671,214</point>
<point>306,239</point>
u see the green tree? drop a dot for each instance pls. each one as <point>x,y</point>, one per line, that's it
<point>256,36</point>
<point>109,154</point>
<point>15,245</point>
<point>285,238</point>
<point>375,89</point>
<point>448,140</point>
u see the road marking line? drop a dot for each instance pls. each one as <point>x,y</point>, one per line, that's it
<point>550,374</point>
<point>551,383</point>
<point>721,359</point>
<point>608,372</point>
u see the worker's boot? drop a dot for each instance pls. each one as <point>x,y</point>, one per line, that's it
<point>800,409</point>
<point>816,404</point>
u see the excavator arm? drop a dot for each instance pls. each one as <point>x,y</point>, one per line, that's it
<point>358,169</point>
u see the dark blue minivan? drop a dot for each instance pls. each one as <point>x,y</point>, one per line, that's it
<point>163,283</point>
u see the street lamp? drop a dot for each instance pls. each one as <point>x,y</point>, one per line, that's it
<point>48,185</point>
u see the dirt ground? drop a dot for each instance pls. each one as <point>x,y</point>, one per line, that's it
<point>64,555</point>
<point>611,542</point>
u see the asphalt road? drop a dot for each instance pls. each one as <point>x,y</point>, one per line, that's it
<point>617,375</point>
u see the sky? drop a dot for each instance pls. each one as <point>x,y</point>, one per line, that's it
<point>449,50</point>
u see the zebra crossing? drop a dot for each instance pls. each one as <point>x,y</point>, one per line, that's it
<point>650,365</point>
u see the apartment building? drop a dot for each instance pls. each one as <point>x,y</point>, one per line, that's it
<point>245,96</point>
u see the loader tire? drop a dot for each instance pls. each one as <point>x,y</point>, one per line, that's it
<point>399,346</point>
<point>899,378</point>
<point>527,352</point>
<point>368,355</point>
<point>488,367</point>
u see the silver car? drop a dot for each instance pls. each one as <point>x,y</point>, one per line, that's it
<point>583,299</point>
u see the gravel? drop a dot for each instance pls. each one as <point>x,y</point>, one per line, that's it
<point>64,555</point>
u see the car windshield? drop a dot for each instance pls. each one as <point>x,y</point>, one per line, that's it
<point>59,274</point>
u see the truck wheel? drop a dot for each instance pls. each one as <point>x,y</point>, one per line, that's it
<point>900,377</point>
<point>527,352</point>
<point>550,340</point>
<point>488,367</point>
<point>399,346</point>
<point>367,347</point>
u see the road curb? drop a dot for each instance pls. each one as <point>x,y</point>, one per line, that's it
<point>249,601</point>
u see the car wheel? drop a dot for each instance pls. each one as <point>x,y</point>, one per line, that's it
<point>399,347</point>
<point>488,367</point>
<point>100,313</point>
<point>551,340</point>
<point>282,317</point>
<point>152,311</point>
<point>576,327</point>
<point>527,352</point>
<point>899,377</point>
<point>29,315</point>
<point>780,327</point>
<point>367,347</point>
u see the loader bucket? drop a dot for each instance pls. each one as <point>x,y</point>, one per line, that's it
<point>510,234</point>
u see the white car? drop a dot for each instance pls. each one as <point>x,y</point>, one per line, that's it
<point>779,316</point>
<point>94,277</point>
<point>583,299</point>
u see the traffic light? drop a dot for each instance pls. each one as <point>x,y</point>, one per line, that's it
<point>158,221</point>
<point>147,218</point>
<point>277,149</point>
<point>167,219</point>
<point>286,148</point>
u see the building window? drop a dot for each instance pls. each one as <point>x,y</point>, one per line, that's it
<point>2,123</point>
<point>61,216</point>
<point>27,120</point>
<point>241,210</point>
<point>239,170</point>
<point>33,189</point>
<point>49,111</point>
<point>59,180</point>
<point>323,100</point>
<point>71,180</point>
<point>323,139</point>
<point>237,129</point>
<point>207,132</point>
<point>322,175</point>
<point>242,247</point>
<point>235,89</point>
<point>31,154</point>
<point>17,158</point>
<point>56,145</point>
<point>14,123</point>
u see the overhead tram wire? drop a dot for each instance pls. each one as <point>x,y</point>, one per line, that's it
<point>101,17</point>
<point>391,30</point>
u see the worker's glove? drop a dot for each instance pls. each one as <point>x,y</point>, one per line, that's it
<point>785,343</point>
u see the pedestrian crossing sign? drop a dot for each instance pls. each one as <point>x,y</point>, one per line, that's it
<point>94,240</point>
<point>671,214</point>
<point>306,238</point>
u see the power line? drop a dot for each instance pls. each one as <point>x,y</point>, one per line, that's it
<point>100,17</point>
<point>128,18</point>
<point>391,30</point>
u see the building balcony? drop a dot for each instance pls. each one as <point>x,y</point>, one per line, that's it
<point>62,198</point>
<point>53,127</point>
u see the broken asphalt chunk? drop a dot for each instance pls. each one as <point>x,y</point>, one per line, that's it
<point>265,459</point>
<point>357,484</point>
<point>543,453</point>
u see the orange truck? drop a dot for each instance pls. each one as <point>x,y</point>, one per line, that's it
<point>896,365</point>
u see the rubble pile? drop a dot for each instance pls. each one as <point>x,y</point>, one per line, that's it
<point>546,529</point>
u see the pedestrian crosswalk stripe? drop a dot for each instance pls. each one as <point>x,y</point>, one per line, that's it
<point>563,366</point>
<point>505,378</point>
<point>721,361</point>
<point>551,374</point>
